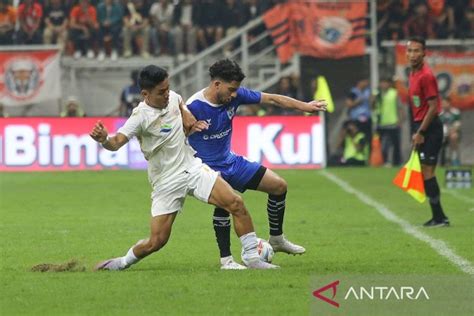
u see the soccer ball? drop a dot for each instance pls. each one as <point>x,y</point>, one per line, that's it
<point>265,250</point>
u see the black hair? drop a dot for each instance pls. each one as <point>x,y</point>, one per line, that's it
<point>151,76</point>
<point>346,123</point>
<point>226,70</point>
<point>418,39</point>
<point>134,75</point>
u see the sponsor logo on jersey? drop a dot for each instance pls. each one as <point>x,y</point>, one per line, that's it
<point>218,135</point>
<point>230,112</point>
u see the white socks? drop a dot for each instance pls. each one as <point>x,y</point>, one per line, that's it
<point>249,244</point>
<point>129,258</point>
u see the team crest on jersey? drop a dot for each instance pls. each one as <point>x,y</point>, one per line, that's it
<point>230,112</point>
<point>165,128</point>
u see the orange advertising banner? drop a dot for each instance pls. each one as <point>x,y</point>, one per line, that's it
<point>278,24</point>
<point>319,29</point>
<point>454,73</point>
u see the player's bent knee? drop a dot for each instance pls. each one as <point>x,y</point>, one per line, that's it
<point>281,186</point>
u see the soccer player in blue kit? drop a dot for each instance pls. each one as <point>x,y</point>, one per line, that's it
<point>216,104</point>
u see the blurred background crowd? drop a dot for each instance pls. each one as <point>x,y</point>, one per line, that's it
<point>123,28</point>
<point>89,28</point>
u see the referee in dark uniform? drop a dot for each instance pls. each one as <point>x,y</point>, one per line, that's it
<point>425,105</point>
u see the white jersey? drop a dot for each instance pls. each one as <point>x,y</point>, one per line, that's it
<point>162,140</point>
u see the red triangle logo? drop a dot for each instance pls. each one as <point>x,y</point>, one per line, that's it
<point>318,293</point>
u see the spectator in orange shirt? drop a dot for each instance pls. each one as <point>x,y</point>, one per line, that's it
<point>7,23</point>
<point>84,28</point>
<point>30,13</point>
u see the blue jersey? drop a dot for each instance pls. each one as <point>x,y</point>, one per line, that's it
<point>360,112</point>
<point>213,145</point>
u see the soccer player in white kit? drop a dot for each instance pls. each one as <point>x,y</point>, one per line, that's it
<point>173,171</point>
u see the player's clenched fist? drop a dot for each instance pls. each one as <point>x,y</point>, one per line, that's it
<point>99,132</point>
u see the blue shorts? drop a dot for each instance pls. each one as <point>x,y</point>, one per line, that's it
<point>237,173</point>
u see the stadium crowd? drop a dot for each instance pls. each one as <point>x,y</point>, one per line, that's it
<point>430,19</point>
<point>125,27</point>
<point>95,28</point>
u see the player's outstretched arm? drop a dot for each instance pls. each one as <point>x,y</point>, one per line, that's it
<point>290,103</point>
<point>188,119</point>
<point>100,134</point>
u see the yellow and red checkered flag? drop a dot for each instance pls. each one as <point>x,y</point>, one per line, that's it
<point>410,178</point>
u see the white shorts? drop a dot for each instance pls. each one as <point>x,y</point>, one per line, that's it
<point>168,196</point>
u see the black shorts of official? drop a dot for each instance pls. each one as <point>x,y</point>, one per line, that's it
<point>429,150</point>
<point>256,179</point>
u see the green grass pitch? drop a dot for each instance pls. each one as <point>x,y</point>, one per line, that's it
<point>90,216</point>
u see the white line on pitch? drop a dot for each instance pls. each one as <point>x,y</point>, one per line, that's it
<point>459,196</point>
<point>438,245</point>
